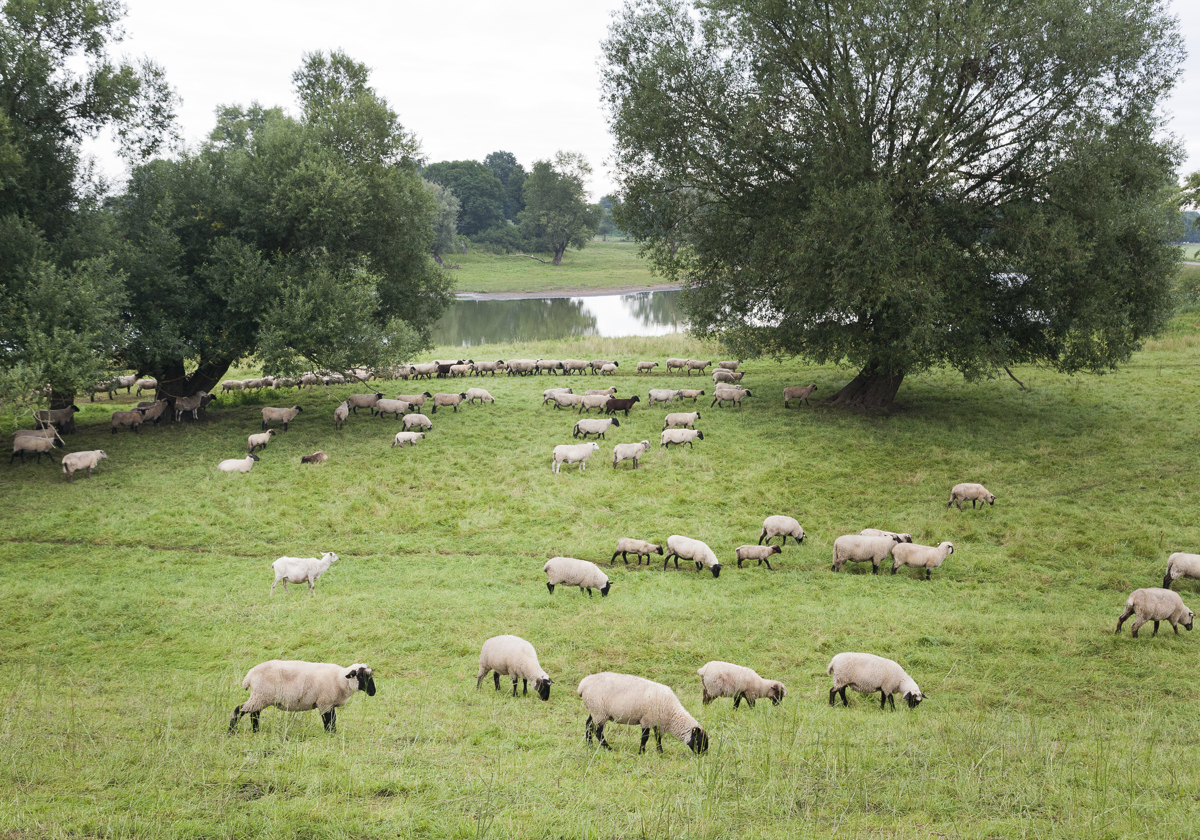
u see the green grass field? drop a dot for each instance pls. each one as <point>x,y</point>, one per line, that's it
<point>133,603</point>
<point>601,265</point>
<point>1191,252</point>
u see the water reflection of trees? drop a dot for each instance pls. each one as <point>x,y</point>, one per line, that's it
<point>660,308</point>
<point>472,322</point>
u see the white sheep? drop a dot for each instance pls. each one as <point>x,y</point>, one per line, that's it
<point>721,376</point>
<point>696,364</point>
<point>729,365</point>
<point>232,385</point>
<point>761,553</point>
<point>549,393</point>
<point>1180,565</point>
<point>781,526</point>
<point>676,364</point>
<point>692,394</point>
<point>730,394</point>
<point>574,365</point>
<point>513,657</point>
<point>551,365</point>
<point>407,438</point>
<point>685,419</point>
<point>875,532</point>
<point>489,367</point>
<point>148,384</point>
<point>415,400</point>
<point>608,369</point>
<point>626,699</point>
<point>192,405</point>
<point>577,453</point>
<point>598,365</point>
<point>680,436</point>
<point>31,444</point>
<point>694,550</point>
<point>867,673</point>
<point>916,556</point>
<point>629,452</point>
<point>610,391</point>
<point>521,366</point>
<point>340,415</point>
<point>241,465</point>
<point>425,369</point>
<point>589,401</point>
<point>479,394</point>
<point>666,395</point>
<point>259,440</point>
<point>566,400</point>
<point>724,679</point>
<point>855,548</point>
<point>417,421</point>
<point>571,571</point>
<point>295,686</point>
<point>301,570</point>
<point>648,367</point>
<point>279,415</point>
<point>970,493</point>
<point>594,426</point>
<point>317,457</point>
<point>357,401</point>
<point>396,408</point>
<point>640,548</point>
<point>797,393</point>
<point>448,401</point>
<point>74,461</point>
<point>1156,605</point>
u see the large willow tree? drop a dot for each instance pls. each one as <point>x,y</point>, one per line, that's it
<point>897,185</point>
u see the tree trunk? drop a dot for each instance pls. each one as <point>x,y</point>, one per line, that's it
<point>558,254</point>
<point>61,399</point>
<point>438,259</point>
<point>873,388</point>
<point>173,382</point>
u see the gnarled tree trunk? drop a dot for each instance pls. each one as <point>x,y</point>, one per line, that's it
<point>873,388</point>
<point>174,382</point>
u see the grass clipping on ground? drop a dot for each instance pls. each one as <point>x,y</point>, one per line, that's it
<point>133,603</point>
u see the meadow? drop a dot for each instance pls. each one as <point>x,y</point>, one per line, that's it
<point>133,603</point>
<point>601,265</point>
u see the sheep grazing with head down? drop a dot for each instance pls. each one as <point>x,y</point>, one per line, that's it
<point>417,421</point>
<point>694,550</point>
<point>781,526</point>
<point>970,493</point>
<point>301,570</point>
<point>279,415</point>
<point>761,553</point>
<point>1180,565</point>
<point>729,365</point>
<point>132,419</point>
<point>295,686</point>
<point>629,452</point>
<point>396,408</point>
<point>867,673</point>
<point>722,376</point>
<point>340,415</point>
<point>724,679</point>
<point>639,548</point>
<point>925,557</point>
<point>480,394</point>
<point>626,699</point>
<point>571,571</point>
<point>317,457</point>
<point>72,462</point>
<point>1156,605</point>
<point>403,439</point>
<point>513,657</point>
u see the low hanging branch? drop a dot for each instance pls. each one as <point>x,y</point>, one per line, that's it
<point>539,259</point>
<point>1014,379</point>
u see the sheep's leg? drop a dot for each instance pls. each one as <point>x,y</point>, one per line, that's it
<point>588,726</point>
<point>615,553</point>
<point>1136,625</point>
<point>768,562</point>
<point>1128,612</point>
<point>1175,627</point>
<point>737,699</point>
<point>928,574</point>
<point>600,736</point>
<point>874,568</point>
<point>1155,633</point>
<point>739,562</point>
<point>496,679</point>
<point>237,713</point>
<point>525,686</point>
<point>479,680</point>
<point>516,680</point>
<point>254,720</point>
<point>883,701</point>
<point>550,586</point>
<point>330,720</point>
<point>645,738</point>
<point>749,702</point>
<point>760,536</point>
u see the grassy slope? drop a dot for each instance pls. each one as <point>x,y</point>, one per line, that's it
<point>601,265</point>
<point>132,603</point>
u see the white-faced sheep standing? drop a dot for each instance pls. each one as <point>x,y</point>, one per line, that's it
<point>72,462</point>
<point>415,400</point>
<point>970,493</point>
<point>295,686</point>
<point>761,553</point>
<point>855,548</point>
<point>259,441</point>
<point>925,557</point>
<point>571,571</point>
<point>279,415</point>
<point>594,426</point>
<point>193,404</point>
<point>724,679</point>
<point>797,394</point>
<point>636,701</point>
<point>639,548</point>
<point>573,453</point>
<point>301,570</point>
<point>241,465</point>
<point>1180,565</point>
<point>629,452</point>
<point>1156,605</point>
<point>407,439</point>
<point>513,657</point>
<point>781,526</point>
<point>867,673</point>
<point>680,437</point>
<point>608,369</point>
<point>694,550</point>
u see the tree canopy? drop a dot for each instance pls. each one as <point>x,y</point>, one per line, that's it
<point>512,175</point>
<point>478,190</point>
<point>556,212</point>
<point>896,186</point>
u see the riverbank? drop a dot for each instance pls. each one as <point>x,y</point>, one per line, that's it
<point>581,291</point>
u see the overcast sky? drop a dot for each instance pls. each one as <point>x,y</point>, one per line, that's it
<point>468,76</point>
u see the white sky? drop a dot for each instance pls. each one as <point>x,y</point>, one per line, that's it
<point>468,76</point>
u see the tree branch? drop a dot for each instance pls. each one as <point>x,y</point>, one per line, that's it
<point>539,259</point>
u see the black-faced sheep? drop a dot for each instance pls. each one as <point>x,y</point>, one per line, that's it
<point>295,686</point>
<point>626,699</point>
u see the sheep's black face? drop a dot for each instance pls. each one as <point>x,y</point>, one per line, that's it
<point>604,591</point>
<point>543,689</point>
<point>913,700</point>
<point>660,549</point>
<point>716,570</point>
<point>1191,617</point>
<point>699,741</point>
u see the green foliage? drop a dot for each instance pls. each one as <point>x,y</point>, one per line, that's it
<point>556,214</point>
<point>479,191</point>
<point>1191,226</point>
<point>512,175</point>
<point>445,223</point>
<point>602,265</point>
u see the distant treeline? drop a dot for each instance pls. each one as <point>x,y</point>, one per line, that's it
<point>1191,230</point>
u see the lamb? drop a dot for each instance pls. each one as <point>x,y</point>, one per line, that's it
<point>317,457</point>
<point>970,492</point>
<point>513,657</point>
<point>1156,605</point>
<point>577,453</point>
<point>132,419</point>
<point>640,548</point>
<point>448,400</point>
<point>724,679</point>
<point>725,395</point>
<point>729,365</point>
<point>859,549</point>
<point>694,550</point>
<point>680,436</point>
<point>340,415</point>
<point>875,532</point>
<point>74,461</point>
<point>31,444</point>
<point>690,393</point>
<point>676,364</point>
<point>260,440</point>
<point>629,452</point>
<point>479,394</point>
<point>357,401</point>
<point>415,400</point>
<point>566,400</point>
<point>301,570</point>
<point>407,438</point>
<point>193,404</point>
<point>279,415</point>
<point>663,395</point>
<point>781,526</point>
<point>589,401</point>
<point>610,391</point>
<point>867,673</point>
<point>147,384</point>
<point>241,465</point>
<point>597,365</point>
<point>648,367</point>
<point>726,376</point>
<point>920,556</point>
<point>417,421</point>
<point>696,364</point>
<point>1181,565</point>
<point>761,553</point>
<point>798,394</point>
<point>396,408</point>
<point>681,418</point>
<point>62,419</point>
<point>608,369</point>
<point>615,404</point>
<point>571,571</point>
<point>594,427</point>
<point>626,699</point>
<point>295,686</point>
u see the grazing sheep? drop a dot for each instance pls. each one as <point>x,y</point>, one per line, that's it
<point>417,421</point>
<point>31,444</point>
<point>340,415</point>
<point>396,408</point>
<point>616,404</point>
<point>295,686</point>
<point>1156,605</point>
<point>676,364</point>
<point>724,679</point>
<point>415,400</point>
<point>798,394</point>
<point>875,532</point>
<point>513,657</point>
<point>781,526</point>
<point>301,570</point>
<point>409,438</point>
<point>681,419</point>
<point>279,415</point>
<point>666,395</point>
<point>489,367</point>
<point>479,394</point>
<point>680,436</point>
<point>566,400</point>
<point>62,419</point>
<point>1181,565</point>
<point>867,673</point>
<point>610,391</point>
<point>317,457</point>
<point>854,548</point>
<point>925,557</point>
<point>74,461</point>
<point>154,412</point>
<point>970,492</point>
<point>690,394</point>
<point>309,379</point>
<point>629,452</point>
<point>598,365</point>
<point>132,419</point>
<point>589,426</point>
<point>570,571</point>
<point>574,365</point>
<point>260,440</point>
<point>232,385</point>
<point>608,369</point>
<point>761,553</point>
<point>722,376</point>
<point>729,394</point>
<point>696,364</point>
<point>694,550</point>
<point>626,699</point>
<point>357,401</point>
<point>448,400</point>
<point>640,548</point>
<point>729,365</point>
<point>241,465</point>
<point>147,384</point>
<point>648,367</point>
<point>577,453</point>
